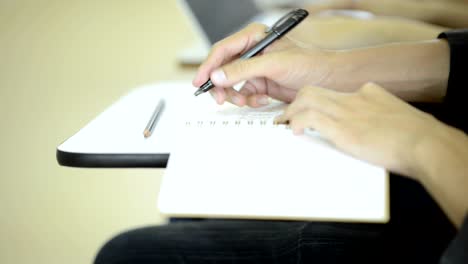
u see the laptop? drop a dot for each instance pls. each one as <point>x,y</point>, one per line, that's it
<point>215,20</point>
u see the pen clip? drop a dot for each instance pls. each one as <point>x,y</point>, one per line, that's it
<point>284,18</point>
<point>280,21</point>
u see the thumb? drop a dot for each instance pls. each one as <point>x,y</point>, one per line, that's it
<point>241,70</point>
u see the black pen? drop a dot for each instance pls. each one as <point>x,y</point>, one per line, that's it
<point>279,29</point>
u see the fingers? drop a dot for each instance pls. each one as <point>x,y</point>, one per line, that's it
<point>255,92</point>
<point>250,94</point>
<point>325,110</point>
<point>316,108</point>
<point>241,70</point>
<point>219,95</point>
<point>235,97</point>
<point>371,88</point>
<point>228,49</point>
<point>258,100</point>
<point>222,95</point>
<point>254,71</point>
<point>323,123</point>
<point>323,100</point>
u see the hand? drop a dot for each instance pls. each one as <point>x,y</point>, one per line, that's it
<point>293,62</point>
<point>370,124</point>
<point>375,126</point>
<point>278,72</point>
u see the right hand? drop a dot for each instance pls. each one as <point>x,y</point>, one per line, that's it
<point>370,124</point>
<point>278,72</point>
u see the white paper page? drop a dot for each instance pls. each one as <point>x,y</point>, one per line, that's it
<point>119,129</point>
<point>255,171</point>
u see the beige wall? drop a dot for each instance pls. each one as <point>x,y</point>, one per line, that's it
<point>61,63</point>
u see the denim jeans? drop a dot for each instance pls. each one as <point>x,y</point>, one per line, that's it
<point>418,232</point>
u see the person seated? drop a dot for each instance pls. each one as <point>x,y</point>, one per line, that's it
<point>355,98</point>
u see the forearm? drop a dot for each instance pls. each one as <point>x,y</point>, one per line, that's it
<point>445,13</point>
<point>442,167</point>
<point>345,33</point>
<point>413,71</point>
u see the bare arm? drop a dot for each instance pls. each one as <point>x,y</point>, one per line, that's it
<point>373,125</point>
<point>442,161</point>
<point>340,32</point>
<point>445,13</point>
<point>414,71</point>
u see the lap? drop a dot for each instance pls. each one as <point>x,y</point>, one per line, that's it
<point>417,233</point>
<point>245,241</point>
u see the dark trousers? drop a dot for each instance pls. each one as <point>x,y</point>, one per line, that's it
<point>418,232</point>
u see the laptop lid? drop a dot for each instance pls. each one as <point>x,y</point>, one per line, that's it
<point>218,19</point>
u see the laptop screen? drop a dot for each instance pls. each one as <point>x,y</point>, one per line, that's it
<point>220,18</point>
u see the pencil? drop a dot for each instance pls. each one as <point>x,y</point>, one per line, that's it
<point>153,120</point>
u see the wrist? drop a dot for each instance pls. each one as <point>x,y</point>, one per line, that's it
<point>413,71</point>
<point>319,67</point>
<point>436,152</point>
<point>342,64</point>
<point>442,13</point>
<point>443,164</point>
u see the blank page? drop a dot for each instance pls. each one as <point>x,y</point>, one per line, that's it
<point>119,129</point>
<point>237,164</point>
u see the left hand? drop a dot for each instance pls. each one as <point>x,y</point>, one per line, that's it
<point>370,124</point>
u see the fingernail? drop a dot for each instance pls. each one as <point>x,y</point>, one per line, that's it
<point>298,131</point>
<point>213,94</point>
<point>235,100</point>
<point>218,76</point>
<point>260,35</point>
<point>277,120</point>
<point>263,100</point>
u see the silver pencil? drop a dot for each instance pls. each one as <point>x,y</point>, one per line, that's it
<point>154,118</point>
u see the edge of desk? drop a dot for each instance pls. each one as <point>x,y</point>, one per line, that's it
<point>109,160</point>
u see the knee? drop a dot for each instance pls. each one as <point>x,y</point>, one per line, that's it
<point>114,251</point>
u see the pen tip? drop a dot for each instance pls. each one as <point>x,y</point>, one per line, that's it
<point>198,92</point>
<point>146,133</point>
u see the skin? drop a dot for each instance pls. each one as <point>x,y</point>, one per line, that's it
<point>415,71</point>
<point>448,13</point>
<point>374,125</point>
<point>345,32</point>
<point>361,119</point>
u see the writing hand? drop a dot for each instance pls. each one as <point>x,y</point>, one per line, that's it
<point>278,72</point>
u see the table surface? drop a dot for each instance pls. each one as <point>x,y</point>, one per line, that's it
<point>63,62</point>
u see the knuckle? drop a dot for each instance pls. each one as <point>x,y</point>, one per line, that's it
<point>369,87</point>
<point>308,93</point>
<point>291,111</point>
<point>217,47</point>
<point>303,91</point>
<point>288,111</point>
<point>255,26</point>
<point>295,123</point>
<point>238,67</point>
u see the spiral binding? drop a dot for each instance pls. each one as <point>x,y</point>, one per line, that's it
<point>230,123</point>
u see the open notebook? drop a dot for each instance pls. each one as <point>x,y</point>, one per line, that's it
<point>227,161</point>
<point>236,163</point>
